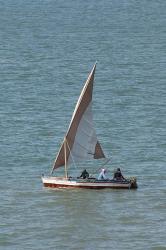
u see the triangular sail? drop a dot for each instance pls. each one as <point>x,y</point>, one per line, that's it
<point>81,139</point>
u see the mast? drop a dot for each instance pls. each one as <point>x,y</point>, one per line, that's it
<point>65,153</point>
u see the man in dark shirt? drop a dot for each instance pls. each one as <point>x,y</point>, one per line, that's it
<point>84,174</point>
<point>118,175</point>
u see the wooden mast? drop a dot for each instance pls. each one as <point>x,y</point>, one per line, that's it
<point>65,153</point>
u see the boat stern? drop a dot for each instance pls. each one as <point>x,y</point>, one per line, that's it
<point>133,181</point>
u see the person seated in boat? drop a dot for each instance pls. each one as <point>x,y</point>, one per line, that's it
<point>118,175</point>
<point>84,174</point>
<point>102,175</point>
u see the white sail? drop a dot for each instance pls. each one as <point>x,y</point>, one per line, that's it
<point>81,139</point>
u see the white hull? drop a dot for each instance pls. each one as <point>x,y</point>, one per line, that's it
<point>61,182</point>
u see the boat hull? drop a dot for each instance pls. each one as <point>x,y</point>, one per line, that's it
<point>61,182</point>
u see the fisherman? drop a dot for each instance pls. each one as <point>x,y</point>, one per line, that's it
<point>84,174</point>
<point>102,175</point>
<point>118,175</point>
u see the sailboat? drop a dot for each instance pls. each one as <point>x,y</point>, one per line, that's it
<point>80,143</point>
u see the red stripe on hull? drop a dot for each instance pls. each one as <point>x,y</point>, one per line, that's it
<point>50,185</point>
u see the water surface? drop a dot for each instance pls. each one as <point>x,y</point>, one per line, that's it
<point>47,49</point>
